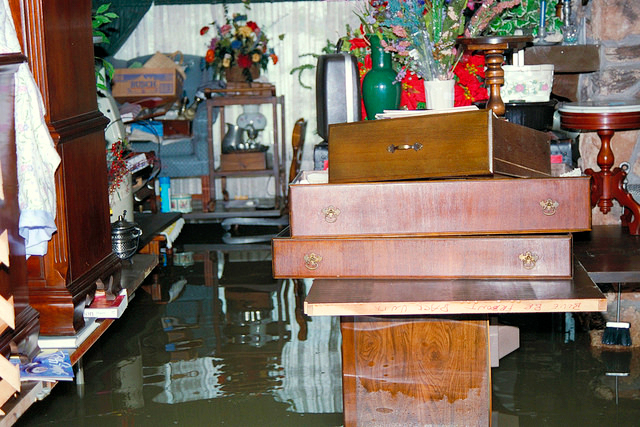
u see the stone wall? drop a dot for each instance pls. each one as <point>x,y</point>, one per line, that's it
<point>613,25</point>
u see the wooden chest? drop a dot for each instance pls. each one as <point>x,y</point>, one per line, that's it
<point>523,256</point>
<point>442,207</point>
<point>470,143</point>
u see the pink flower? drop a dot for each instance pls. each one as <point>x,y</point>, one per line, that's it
<point>519,87</point>
<point>545,87</point>
<point>225,29</point>
<point>399,31</point>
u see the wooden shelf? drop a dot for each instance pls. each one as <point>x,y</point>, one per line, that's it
<point>260,172</point>
<point>259,95</point>
<point>366,297</point>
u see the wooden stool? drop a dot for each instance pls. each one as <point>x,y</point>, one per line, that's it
<point>607,183</point>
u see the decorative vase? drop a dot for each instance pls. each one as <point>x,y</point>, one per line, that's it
<point>380,91</point>
<point>439,94</point>
<point>241,75</point>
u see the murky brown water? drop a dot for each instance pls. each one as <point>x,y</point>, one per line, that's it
<point>216,349</point>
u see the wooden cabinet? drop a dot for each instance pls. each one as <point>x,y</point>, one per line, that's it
<point>57,39</point>
<point>248,164</point>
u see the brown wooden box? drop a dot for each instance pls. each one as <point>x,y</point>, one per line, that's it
<point>470,143</point>
<point>524,256</point>
<point>177,128</point>
<point>452,206</point>
<point>243,161</point>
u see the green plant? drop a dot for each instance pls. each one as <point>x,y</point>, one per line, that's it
<point>101,17</point>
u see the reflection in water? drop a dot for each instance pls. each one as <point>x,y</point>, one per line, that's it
<point>235,337</point>
<point>222,330</point>
<point>222,343</point>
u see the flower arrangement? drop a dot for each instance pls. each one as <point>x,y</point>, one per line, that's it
<point>237,42</point>
<point>422,33</point>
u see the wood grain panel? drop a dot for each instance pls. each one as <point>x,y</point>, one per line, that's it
<point>460,144</point>
<point>469,206</point>
<point>424,257</point>
<point>353,297</point>
<point>416,371</point>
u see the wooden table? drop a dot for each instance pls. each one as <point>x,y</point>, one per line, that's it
<point>607,184</point>
<point>609,254</point>
<point>417,352</point>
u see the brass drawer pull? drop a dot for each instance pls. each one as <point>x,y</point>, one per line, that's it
<point>549,206</point>
<point>331,214</point>
<point>312,261</point>
<point>528,260</point>
<point>417,146</point>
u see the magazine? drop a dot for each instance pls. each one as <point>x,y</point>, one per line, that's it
<point>49,365</point>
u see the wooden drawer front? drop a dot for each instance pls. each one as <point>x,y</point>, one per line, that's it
<point>424,257</point>
<point>470,206</point>
<point>473,143</point>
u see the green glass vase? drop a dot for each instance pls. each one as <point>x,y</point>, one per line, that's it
<point>380,91</point>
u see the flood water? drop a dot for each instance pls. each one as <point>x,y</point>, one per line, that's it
<point>220,342</point>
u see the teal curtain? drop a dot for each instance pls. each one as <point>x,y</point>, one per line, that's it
<point>130,13</point>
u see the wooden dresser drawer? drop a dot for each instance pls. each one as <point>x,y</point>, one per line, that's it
<point>542,256</point>
<point>472,143</point>
<point>469,206</point>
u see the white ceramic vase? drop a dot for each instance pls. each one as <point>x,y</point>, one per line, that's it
<point>439,94</point>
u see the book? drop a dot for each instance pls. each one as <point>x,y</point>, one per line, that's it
<point>68,341</point>
<point>102,308</point>
<point>391,114</point>
<point>49,365</point>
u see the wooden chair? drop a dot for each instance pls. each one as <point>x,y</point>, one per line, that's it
<point>297,143</point>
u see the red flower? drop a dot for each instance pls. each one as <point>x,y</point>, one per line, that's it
<point>357,43</point>
<point>244,61</point>
<point>204,30</point>
<point>274,58</point>
<point>253,26</point>
<point>412,91</point>
<point>210,56</point>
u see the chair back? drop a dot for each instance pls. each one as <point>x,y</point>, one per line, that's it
<point>297,144</point>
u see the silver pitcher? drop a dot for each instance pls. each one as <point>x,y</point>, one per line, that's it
<point>232,140</point>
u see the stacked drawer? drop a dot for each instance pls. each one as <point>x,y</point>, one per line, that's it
<point>369,217</point>
<point>498,228</point>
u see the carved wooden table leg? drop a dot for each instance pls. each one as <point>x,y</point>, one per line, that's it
<point>493,49</point>
<point>494,77</point>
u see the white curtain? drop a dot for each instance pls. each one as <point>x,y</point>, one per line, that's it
<point>305,25</point>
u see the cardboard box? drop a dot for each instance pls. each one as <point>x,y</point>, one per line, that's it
<point>137,84</point>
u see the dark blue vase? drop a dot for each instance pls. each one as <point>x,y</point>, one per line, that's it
<point>380,91</point>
